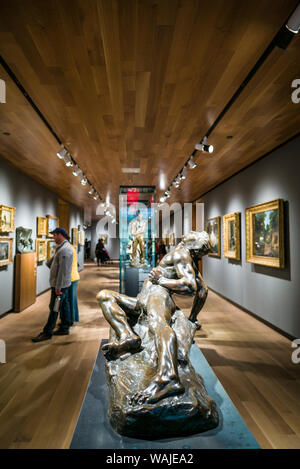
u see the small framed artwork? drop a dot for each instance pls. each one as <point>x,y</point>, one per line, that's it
<point>213,229</point>
<point>172,239</point>
<point>52,223</point>
<point>6,246</point>
<point>51,248</point>
<point>166,240</point>
<point>265,234</point>
<point>81,237</point>
<point>41,250</point>
<point>232,236</point>
<point>104,238</point>
<point>42,225</point>
<point>7,219</point>
<point>75,237</point>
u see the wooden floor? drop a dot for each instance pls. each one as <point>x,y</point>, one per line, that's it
<point>42,385</point>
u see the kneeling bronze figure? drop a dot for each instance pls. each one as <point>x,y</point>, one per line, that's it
<point>154,391</point>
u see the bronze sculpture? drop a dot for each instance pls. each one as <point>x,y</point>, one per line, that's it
<point>137,228</point>
<point>154,316</point>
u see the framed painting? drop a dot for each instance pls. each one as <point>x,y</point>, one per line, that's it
<point>75,237</point>
<point>7,219</point>
<point>41,250</point>
<point>213,228</point>
<point>166,240</point>
<point>81,238</point>
<point>52,223</point>
<point>51,248</point>
<point>104,238</point>
<point>265,234</point>
<point>172,239</point>
<point>6,247</point>
<point>42,225</point>
<point>232,236</point>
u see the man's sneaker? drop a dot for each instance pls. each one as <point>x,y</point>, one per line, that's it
<point>42,336</point>
<point>60,332</point>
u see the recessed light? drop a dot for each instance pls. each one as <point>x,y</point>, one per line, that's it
<point>6,133</point>
<point>229,136</point>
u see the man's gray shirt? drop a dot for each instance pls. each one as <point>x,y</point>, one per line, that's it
<point>61,266</point>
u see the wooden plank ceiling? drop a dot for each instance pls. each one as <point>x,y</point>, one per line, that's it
<point>138,83</point>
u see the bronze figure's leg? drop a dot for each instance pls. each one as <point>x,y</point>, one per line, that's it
<point>112,304</point>
<point>166,381</point>
<point>142,248</point>
<point>134,248</point>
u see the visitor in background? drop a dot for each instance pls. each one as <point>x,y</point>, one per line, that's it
<point>161,250</point>
<point>100,252</point>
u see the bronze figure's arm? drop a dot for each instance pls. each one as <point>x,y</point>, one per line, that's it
<point>185,284</point>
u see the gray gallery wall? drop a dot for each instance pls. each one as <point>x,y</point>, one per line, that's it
<point>272,294</point>
<point>31,200</point>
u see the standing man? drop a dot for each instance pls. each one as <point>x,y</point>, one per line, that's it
<point>60,280</point>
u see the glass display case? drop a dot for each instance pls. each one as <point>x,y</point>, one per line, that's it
<point>137,239</point>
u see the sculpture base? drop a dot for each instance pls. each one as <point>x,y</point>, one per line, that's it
<point>93,430</point>
<point>173,416</point>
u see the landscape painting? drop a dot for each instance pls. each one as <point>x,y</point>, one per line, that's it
<point>7,219</point>
<point>5,251</point>
<point>265,232</point>
<point>213,228</point>
<point>231,236</point>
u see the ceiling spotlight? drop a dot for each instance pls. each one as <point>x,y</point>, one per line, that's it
<point>175,183</point>
<point>162,200</point>
<point>83,180</point>
<point>77,171</point>
<point>68,160</point>
<point>203,146</point>
<point>91,191</point>
<point>167,194</point>
<point>183,173</point>
<point>192,163</point>
<point>62,153</point>
<point>293,23</point>
<point>96,196</point>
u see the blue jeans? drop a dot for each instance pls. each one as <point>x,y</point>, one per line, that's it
<point>65,314</point>
<point>73,301</point>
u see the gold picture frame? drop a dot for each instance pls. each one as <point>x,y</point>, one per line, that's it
<point>75,237</point>
<point>172,239</point>
<point>232,236</point>
<point>6,247</point>
<point>42,226</point>
<point>52,223</point>
<point>265,234</point>
<point>51,247</point>
<point>104,238</point>
<point>41,249</point>
<point>7,219</point>
<point>81,237</point>
<point>213,225</point>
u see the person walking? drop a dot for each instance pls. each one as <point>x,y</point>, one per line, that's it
<point>99,252</point>
<point>60,280</point>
